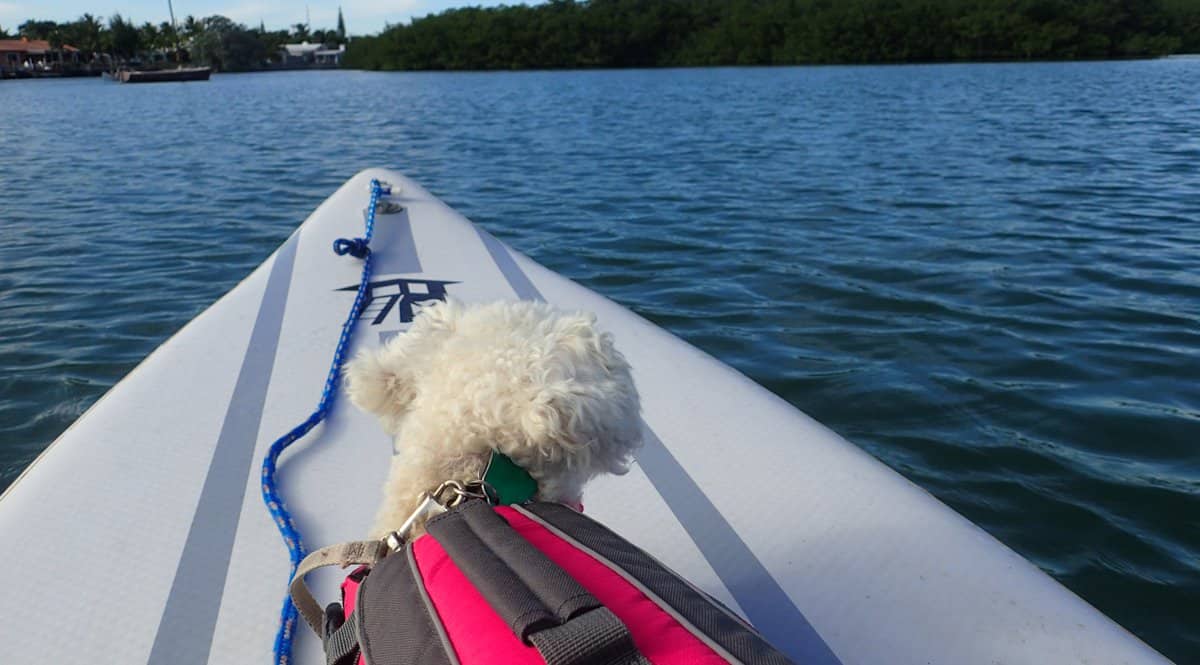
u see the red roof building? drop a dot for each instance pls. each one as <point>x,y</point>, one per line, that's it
<point>28,54</point>
<point>24,46</point>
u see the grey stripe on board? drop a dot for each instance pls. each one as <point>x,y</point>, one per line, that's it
<point>189,619</point>
<point>399,249</point>
<point>517,280</point>
<point>399,255</point>
<point>765,603</point>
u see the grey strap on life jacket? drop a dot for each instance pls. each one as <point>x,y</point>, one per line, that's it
<point>362,552</point>
<point>594,638</point>
<point>341,641</point>
<point>542,604</point>
<point>705,618</point>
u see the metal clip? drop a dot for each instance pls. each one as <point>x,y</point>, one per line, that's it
<point>446,496</point>
<point>427,508</point>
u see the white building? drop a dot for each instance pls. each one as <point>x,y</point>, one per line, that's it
<point>330,57</point>
<point>299,54</point>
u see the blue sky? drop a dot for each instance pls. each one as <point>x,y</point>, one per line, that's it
<point>362,16</point>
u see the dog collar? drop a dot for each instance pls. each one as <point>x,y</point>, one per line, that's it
<point>512,483</point>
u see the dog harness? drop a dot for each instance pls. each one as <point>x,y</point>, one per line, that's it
<point>535,583</point>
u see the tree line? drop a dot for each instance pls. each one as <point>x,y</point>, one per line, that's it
<point>214,40</point>
<point>659,33</point>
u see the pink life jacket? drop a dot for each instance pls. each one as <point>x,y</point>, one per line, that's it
<point>536,583</point>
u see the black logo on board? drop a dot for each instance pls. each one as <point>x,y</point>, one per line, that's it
<point>397,294</point>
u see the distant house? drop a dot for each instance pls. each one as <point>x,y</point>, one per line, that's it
<point>330,57</point>
<point>26,54</point>
<point>70,55</point>
<point>299,54</point>
<point>36,57</point>
<point>304,55</point>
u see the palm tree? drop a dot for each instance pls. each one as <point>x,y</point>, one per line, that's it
<point>90,31</point>
<point>192,27</point>
<point>149,37</point>
<point>167,38</point>
<point>126,41</point>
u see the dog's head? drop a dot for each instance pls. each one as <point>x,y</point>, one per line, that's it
<point>542,386</point>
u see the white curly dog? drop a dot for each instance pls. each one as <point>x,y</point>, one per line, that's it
<point>542,386</point>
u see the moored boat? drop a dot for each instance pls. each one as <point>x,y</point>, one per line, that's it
<point>179,73</point>
<point>162,75</point>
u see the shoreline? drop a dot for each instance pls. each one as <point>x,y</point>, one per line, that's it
<point>912,63</point>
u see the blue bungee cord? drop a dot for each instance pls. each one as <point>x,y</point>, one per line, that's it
<point>358,248</point>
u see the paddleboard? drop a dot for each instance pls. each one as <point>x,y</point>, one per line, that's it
<point>139,536</point>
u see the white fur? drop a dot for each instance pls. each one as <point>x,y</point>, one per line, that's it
<point>542,386</point>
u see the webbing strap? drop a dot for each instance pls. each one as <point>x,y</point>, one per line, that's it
<point>511,597</point>
<point>553,588</point>
<point>361,552</point>
<point>541,603</point>
<point>594,638</point>
<point>341,645</point>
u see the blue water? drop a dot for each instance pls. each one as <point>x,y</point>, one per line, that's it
<point>988,276</point>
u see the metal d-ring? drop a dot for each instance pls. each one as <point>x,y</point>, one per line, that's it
<point>481,489</point>
<point>456,489</point>
<point>475,489</point>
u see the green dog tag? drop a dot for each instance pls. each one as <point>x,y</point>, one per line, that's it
<point>512,483</point>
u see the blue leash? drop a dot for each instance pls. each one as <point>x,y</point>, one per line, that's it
<point>358,248</point>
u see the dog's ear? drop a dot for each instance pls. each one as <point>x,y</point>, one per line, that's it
<point>378,384</point>
<point>586,412</point>
<point>383,382</point>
